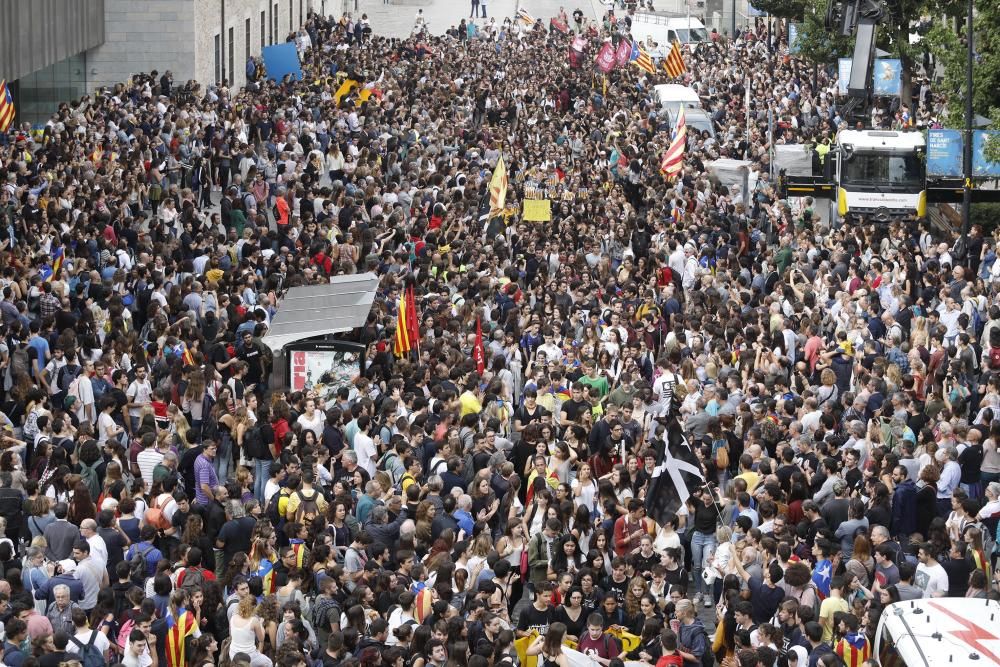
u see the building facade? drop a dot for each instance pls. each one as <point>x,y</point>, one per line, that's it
<point>205,40</point>
<point>54,51</point>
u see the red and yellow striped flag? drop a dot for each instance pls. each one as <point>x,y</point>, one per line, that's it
<point>673,159</point>
<point>6,106</point>
<point>645,62</point>
<point>407,326</point>
<point>674,62</point>
<point>183,626</point>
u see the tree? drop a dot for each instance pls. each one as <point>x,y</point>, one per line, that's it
<point>786,9</point>
<point>818,45</point>
<point>950,50</point>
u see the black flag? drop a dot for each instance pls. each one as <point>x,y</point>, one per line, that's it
<point>677,473</point>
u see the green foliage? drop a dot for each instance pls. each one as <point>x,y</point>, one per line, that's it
<point>987,215</point>
<point>817,44</point>
<point>786,9</point>
<point>951,52</point>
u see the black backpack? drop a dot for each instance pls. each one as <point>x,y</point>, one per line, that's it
<point>254,446</point>
<point>308,507</point>
<point>137,564</point>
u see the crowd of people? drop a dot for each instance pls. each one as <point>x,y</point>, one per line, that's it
<point>161,503</point>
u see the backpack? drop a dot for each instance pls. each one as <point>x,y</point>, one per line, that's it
<point>89,655</point>
<point>194,579</point>
<point>272,508</point>
<point>20,364</point>
<point>770,432</point>
<point>155,517</point>
<point>994,360</point>
<point>88,475</point>
<point>65,377</point>
<point>707,658</point>
<point>73,392</point>
<point>12,509</point>
<point>137,564</point>
<point>254,446</point>
<point>977,318</point>
<point>123,634</point>
<point>308,508</point>
<point>323,607</point>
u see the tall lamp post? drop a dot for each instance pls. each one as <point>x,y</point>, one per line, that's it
<point>967,146</point>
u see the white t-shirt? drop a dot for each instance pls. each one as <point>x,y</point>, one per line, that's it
<point>138,392</point>
<point>364,446</point>
<point>932,579</point>
<point>86,391</point>
<point>105,423</point>
<point>315,424</point>
<point>143,660</point>
<point>101,642</point>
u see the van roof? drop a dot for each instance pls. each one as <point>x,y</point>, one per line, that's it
<point>674,22</point>
<point>942,631</point>
<point>672,93</point>
<point>873,139</point>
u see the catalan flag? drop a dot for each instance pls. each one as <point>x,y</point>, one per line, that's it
<point>673,159</point>
<point>6,107</point>
<point>674,62</point>
<point>407,327</point>
<point>187,356</point>
<point>57,262</point>
<point>641,58</point>
<point>498,188</point>
<point>854,648</point>
<point>178,630</point>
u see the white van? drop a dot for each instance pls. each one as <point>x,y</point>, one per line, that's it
<point>937,632</point>
<point>665,30</point>
<point>673,94</point>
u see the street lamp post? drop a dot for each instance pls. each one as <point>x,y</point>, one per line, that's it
<point>967,146</point>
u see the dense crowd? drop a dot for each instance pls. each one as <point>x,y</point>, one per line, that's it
<point>162,504</point>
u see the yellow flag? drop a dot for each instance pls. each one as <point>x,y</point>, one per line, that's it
<point>344,89</point>
<point>498,188</point>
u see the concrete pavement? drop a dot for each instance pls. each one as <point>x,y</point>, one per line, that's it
<point>397,19</point>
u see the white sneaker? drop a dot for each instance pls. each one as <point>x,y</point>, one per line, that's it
<point>708,601</point>
<point>697,599</point>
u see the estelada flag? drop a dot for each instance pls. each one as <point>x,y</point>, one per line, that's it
<point>188,357</point>
<point>674,62</point>
<point>478,351</point>
<point>7,110</point>
<point>673,158</point>
<point>623,52</point>
<point>178,629</point>
<point>606,58</point>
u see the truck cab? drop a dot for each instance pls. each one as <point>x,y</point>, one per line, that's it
<point>880,174</point>
<point>937,632</point>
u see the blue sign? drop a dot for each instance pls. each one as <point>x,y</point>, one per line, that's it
<point>282,59</point>
<point>888,80</point>
<point>944,153</point>
<point>843,74</point>
<point>981,166</point>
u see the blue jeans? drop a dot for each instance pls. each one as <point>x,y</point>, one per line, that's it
<point>702,544</point>
<point>261,473</point>
<point>224,458</point>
